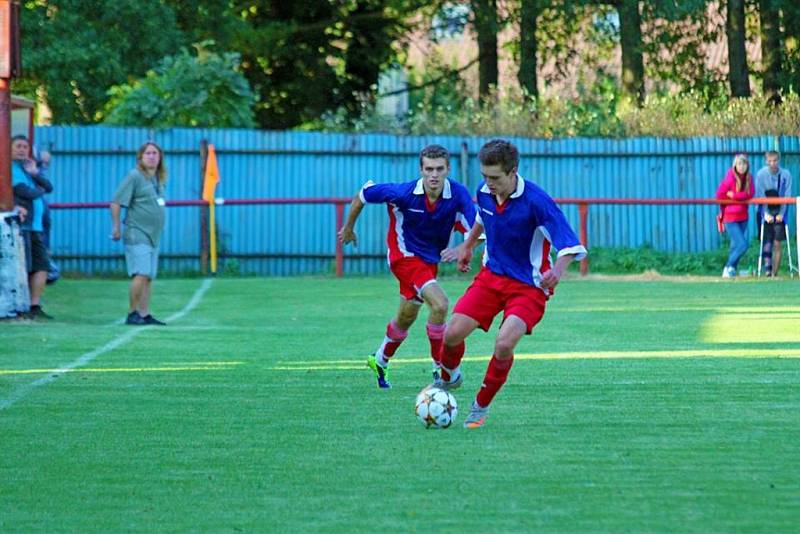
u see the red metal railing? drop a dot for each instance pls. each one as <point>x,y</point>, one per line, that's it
<point>340,203</point>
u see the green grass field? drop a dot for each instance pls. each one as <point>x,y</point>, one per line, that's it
<point>635,406</point>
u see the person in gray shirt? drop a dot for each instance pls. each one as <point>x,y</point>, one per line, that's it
<point>773,181</point>
<point>142,194</point>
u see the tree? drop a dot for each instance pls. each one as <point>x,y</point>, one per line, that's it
<point>678,35</point>
<point>630,37</point>
<point>186,90</point>
<point>486,27</point>
<point>75,51</point>
<point>529,13</point>
<point>771,49</point>
<point>791,40</point>
<point>307,58</point>
<point>737,55</point>
<point>631,47</point>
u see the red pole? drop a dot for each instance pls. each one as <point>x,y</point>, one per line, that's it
<point>339,248</point>
<point>583,211</point>
<point>6,192</point>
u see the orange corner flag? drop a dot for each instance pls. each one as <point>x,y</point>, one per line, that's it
<point>211,178</point>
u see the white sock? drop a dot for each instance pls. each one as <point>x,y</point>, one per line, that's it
<point>380,357</point>
<point>453,372</point>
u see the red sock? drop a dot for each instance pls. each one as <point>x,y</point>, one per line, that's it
<point>394,337</point>
<point>435,336</point>
<point>451,358</point>
<point>495,377</point>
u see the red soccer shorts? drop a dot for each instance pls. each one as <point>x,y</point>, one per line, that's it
<point>413,274</point>
<point>490,294</point>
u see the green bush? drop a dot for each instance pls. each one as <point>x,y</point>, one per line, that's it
<point>202,90</point>
<point>621,260</point>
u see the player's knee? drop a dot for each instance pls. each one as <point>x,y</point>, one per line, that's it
<point>504,347</point>
<point>439,306</point>
<point>452,336</point>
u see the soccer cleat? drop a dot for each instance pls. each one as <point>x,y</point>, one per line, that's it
<point>452,384</point>
<point>437,375</point>
<point>135,319</point>
<point>149,319</point>
<point>381,373</point>
<point>476,417</point>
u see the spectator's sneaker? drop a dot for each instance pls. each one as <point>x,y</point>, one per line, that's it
<point>381,373</point>
<point>135,319</point>
<point>728,272</point>
<point>149,319</point>
<point>476,417</point>
<point>452,384</point>
<point>36,313</point>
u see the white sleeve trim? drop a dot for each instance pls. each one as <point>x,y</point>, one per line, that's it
<point>579,251</point>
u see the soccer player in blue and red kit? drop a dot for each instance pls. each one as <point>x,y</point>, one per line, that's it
<point>422,216</point>
<point>521,224</point>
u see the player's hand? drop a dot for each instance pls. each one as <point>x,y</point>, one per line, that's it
<point>451,254</point>
<point>464,259</point>
<point>778,219</point>
<point>115,235</point>
<point>23,213</point>
<point>768,218</point>
<point>550,279</point>
<point>347,235</point>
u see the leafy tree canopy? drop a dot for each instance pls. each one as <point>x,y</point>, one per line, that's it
<point>206,89</point>
<point>77,50</point>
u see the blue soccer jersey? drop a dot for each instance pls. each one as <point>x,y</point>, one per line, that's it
<point>416,227</point>
<point>521,232</point>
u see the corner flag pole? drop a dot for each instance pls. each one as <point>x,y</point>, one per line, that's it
<point>210,181</point>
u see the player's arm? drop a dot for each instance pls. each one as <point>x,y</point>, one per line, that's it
<point>563,239</point>
<point>465,221</point>
<point>370,193</point>
<point>466,248</point>
<point>551,278</point>
<point>347,234</point>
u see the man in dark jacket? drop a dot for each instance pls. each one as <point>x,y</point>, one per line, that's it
<point>30,186</point>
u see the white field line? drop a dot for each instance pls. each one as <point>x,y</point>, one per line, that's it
<point>24,390</point>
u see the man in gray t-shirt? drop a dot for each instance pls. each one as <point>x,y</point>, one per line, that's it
<point>142,194</point>
<point>773,181</point>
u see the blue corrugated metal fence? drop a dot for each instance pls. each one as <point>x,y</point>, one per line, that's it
<point>89,161</point>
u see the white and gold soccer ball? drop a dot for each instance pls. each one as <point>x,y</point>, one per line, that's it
<point>436,408</point>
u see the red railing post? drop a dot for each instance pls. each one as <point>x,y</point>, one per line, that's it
<point>583,212</point>
<point>339,247</point>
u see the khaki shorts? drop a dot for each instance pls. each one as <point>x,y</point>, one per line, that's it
<point>141,260</point>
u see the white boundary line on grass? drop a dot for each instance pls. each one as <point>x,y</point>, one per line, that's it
<point>23,391</point>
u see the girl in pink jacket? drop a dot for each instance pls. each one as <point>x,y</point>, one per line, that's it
<point>737,185</point>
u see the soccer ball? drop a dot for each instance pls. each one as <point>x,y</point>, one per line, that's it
<point>436,408</point>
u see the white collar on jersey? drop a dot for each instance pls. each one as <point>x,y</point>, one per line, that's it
<point>517,193</point>
<point>446,192</point>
